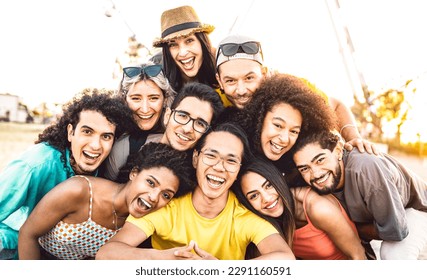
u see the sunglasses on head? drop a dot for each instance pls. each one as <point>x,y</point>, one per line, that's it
<point>229,49</point>
<point>150,71</point>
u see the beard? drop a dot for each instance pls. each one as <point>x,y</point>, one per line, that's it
<point>336,177</point>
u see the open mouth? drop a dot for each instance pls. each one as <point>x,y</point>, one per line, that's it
<point>275,148</point>
<point>188,63</point>
<point>143,204</point>
<point>91,156</point>
<point>215,181</point>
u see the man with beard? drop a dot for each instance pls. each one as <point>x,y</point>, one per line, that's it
<point>386,200</point>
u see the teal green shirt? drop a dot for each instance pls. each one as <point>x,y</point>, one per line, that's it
<point>24,182</point>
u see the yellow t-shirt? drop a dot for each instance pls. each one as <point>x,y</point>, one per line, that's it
<point>225,236</point>
<point>224,98</point>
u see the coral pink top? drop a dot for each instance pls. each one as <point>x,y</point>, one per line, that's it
<point>310,243</point>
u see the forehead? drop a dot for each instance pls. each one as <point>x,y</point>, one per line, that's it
<point>196,108</point>
<point>92,118</point>
<point>308,152</point>
<point>286,112</point>
<point>240,67</point>
<point>224,143</point>
<point>145,87</point>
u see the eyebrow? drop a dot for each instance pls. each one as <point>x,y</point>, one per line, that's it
<point>88,127</point>
<point>312,160</point>
<point>158,183</point>
<point>263,184</point>
<point>280,119</point>
<point>198,118</point>
<point>228,155</point>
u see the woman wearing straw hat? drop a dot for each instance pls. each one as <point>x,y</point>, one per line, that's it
<point>187,51</point>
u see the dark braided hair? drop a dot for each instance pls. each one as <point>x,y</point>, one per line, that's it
<point>153,155</point>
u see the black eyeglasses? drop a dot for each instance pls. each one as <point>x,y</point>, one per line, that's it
<point>182,117</point>
<point>211,158</point>
<point>151,70</point>
<point>229,49</point>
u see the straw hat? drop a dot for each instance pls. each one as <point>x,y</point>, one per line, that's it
<point>181,21</point>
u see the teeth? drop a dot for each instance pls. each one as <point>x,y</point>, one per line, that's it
<point>276,148</point>
<point>215,181</point>
<point>323,178</point>
<point>273,204</point>
<point>143,202</point>
<point>145,117</point>
<point>182,137</point>
<point>93,156</point>
<point>186,60</point>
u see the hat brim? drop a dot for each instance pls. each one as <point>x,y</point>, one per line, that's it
<point>186,32</point>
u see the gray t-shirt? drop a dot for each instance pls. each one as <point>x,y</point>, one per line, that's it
<point>378,189</point>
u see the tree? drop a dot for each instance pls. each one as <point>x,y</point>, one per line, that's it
<point>387,106</point>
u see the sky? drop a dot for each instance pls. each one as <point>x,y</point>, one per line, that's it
<point>52,49</point>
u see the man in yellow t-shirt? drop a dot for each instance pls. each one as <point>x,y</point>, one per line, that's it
<point>208,223</point>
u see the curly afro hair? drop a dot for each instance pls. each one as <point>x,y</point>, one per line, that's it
<point>317,115</point>
<point>153,155</point>
<point>100,100</point>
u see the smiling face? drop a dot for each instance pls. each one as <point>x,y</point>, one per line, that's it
<point>239,79</point>
<point>91,141</point>
<point>150,190</point>
<point>145,99</point>
<point>261,194</point>
<point>280,130</point>
<point>188,55</point>
<point>320,168</point>
<point>214,181</point>
<point>182,137</point>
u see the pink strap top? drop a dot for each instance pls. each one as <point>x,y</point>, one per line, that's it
<point>310,243</point>
<point>76,241</point>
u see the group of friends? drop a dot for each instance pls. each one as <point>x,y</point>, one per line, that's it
<point>204,153</point>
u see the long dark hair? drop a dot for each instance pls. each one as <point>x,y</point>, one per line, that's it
<point>206,74</point>
<point>286,223</point>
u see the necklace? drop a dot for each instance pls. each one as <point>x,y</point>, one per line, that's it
<point>115,216</point>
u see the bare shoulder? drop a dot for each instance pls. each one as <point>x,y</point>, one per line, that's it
<point>320,207</point>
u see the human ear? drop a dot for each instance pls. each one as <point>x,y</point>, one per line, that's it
<point>195,158</point>
<point>133,174</point>
<point>70,131</point>
<point>166,116</point>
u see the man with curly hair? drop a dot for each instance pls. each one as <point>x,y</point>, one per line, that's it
<point>240,71</point>
<point>76,144</point>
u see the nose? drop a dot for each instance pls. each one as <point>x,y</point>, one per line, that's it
<point>284,136</point>
<point>266,197</point>
<point>219,165</point>
<point>241,88</point>
<point>183,50</point>
<point>188,126</point>
<point>153,196</point>
<point>95,143</point>
<point>316,172</point>
<point>144,106</point>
